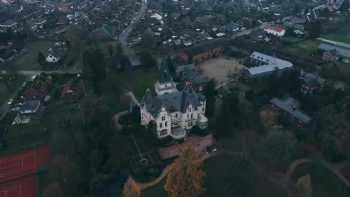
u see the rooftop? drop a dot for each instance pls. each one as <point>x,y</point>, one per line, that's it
<point>291,106</point>
<point>270,63</point>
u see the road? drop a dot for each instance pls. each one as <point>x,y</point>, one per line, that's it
<point>249,31</point>
<point>123,37</point>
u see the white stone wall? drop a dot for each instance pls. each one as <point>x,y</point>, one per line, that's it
<point>164,120</point>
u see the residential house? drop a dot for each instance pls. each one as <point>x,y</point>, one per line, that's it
<point>311,83</point>
<point>277,31</point>
<point>291,107</point>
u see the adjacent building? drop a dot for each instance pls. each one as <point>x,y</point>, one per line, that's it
<point>291,107</point>
<point>172,112</point>
<point>335,51</point>
<point>265,64</point>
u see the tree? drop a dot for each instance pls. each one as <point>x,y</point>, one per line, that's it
<point>279,145</point>
<point>186,176</point>
<point>304,187</point>
<point>41,59</point>
<point>148,41</point>
<point>131,189</point>
<point>95,68</point>
<point>147,59</point>
<point>314,28</point>
<point>229,115</point>
<point>53,190</point>
<point>209,94</point>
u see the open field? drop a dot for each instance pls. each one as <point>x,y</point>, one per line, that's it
<point>29,60</point>
<point>220,68</point>
<point>324,182</point>
<point>304,48</point>
<point>228,176</point>
<point>310,47</point>
<point>21,138</point>
<point>342,35</point>
<point>117,84</point>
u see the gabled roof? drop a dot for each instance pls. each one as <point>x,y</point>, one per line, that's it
<point>291,106</point>
<point>173,102</point>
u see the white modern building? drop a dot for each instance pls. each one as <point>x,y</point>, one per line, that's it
<point>266,64</point>
<point>173,113</point>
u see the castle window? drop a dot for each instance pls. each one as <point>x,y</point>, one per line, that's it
<point>166,124</point>
<point>160,125</point>
<point>191,116</point>
<point>163,118</point>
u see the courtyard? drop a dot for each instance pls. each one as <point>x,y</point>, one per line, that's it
<point>221,68</point>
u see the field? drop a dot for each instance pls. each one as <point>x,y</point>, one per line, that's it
<point>220,68</point>
<point>310,47</point>
<point>342,35</point>
<point>227,176</point>
<point>304,48</point>
<point>21,138</point>
<point>117,84</point>
<point>324,182</point>
<point>29,60</point>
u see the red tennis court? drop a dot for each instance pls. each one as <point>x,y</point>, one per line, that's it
<point>18,172</point>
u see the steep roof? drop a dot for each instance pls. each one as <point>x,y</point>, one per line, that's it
<point>291,106</point>
<point>172,102</point>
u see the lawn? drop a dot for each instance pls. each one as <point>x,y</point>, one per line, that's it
<point>230,176</point>
<point>342,35</point>
<point>29,60</point>
<point>20,138</point>
<point>117,84</point>
<point>324,182</point>
<point>309,47</point>
<point>141,79</point>
<point>304,48</point>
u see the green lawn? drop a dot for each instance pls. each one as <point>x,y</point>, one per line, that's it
<point>230,176</point>
<point>20,138</point>
<point>117,84</point>
<point>324,182</point>
<point>309,47</point>
<point>343,35</point>
<point>29,60</point>
<point>141,80</point>
<point>304,48</point>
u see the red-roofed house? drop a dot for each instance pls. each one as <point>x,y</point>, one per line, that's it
<point>278,31</point>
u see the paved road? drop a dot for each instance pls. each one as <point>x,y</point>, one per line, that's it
<point>123,37</point>
<point>249,31</point>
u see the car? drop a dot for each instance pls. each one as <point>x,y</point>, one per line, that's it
<point>10,101</point>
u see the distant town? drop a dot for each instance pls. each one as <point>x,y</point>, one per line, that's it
<point>174,98</point>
